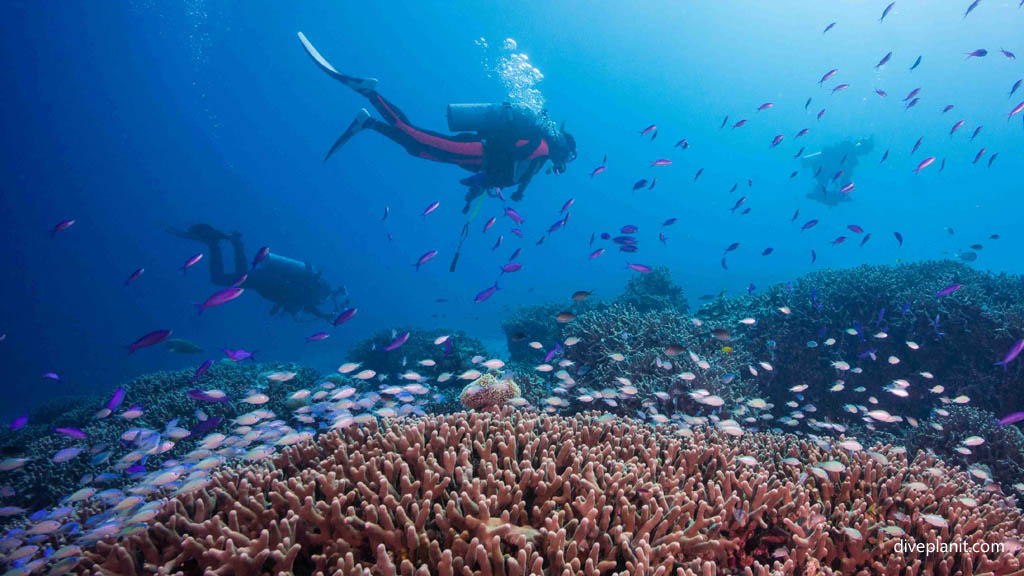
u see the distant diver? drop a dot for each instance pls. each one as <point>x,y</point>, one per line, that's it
<point>294,287</point>
<point>833,168</point>
<point>511,144</point>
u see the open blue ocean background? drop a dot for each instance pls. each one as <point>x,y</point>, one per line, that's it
<point>132,117</point>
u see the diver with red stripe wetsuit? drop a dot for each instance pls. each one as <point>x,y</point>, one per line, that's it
<point>510,146</point>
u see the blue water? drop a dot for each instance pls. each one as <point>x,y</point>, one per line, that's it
<point>130,118</point>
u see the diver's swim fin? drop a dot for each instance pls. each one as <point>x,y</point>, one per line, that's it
<point>358,123</point>
<point>361,85</point>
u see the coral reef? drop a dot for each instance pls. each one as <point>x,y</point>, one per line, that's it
<point>978,324</point>
<point>487,392</point>
<point>163,398</point>
<point>513,493</point>
<point>532,324</point>
<point>1002,452</point>
<point>654,291</point>
<point>453,355</point>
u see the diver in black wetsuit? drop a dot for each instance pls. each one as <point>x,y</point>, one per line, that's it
<point>294,287</point>
<point>510,146</point>
<point>832,169</point>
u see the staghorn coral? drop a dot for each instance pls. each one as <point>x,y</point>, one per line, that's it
<point>642,338</point>
<point>654,291</point>
<point>512,493</point>
<point>1002,452</point>
<point>487,392</point>
<point>454,355</point>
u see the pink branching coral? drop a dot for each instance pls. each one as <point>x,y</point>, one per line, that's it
<point>515,493</point>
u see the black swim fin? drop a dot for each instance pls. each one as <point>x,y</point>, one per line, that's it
<point>358,123</point>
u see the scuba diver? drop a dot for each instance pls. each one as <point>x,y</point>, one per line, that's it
<point>510,146</point>
<point>833,169</point>
<point>293,286</point>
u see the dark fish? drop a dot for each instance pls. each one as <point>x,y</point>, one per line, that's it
<point>697,175</point>
<point>199,371</point>
<point>883,61</point>
<point>732,246</point>
<point>629,248</point>
<point>518,250</point>
<point>829,27</point>
<point>134,276</point>
<point>669,222</point>
<point>205,426</point>
<point>1016,86</point>
<point>1008,54</point>
<point>916,63</point>
<point>795,216</point>
<point>808,225</point>
<point>979,53</point>
<point>387,210</point>
<point>886,11</point>
<point>814,256</point>
<point>899,237</point>
<point>866,238</point>
<point>179,346</point>
<point>807,104</point>
<point>884,156</point>
<point>992,159</point>
<point>653,182</point>
<point>967,255</point>
<point>976,132</point>
<point>721,334</point>
<point>629,229</point>
<point>154,337</point>
<point>580,295</point>
<point>639,184</point>
<point>563,317</point>
<point>767,251</point>
<point>724,265</point>
<point>972,7</point>
<point>724,122</point>
<point>61,226</point>
<point>976,246</point>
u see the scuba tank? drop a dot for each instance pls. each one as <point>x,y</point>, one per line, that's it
<point>490,118</point>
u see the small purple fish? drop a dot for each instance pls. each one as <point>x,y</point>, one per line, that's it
<point>71,432</point>
<point>239,355</point>
<point>426,257</point>
<point>219,297</point>
<point>154,337</point>
<point>511,267</point>
<point>866,238</point>
<point>387,210</point>
<point>552,353</point>
<point>241,280</point>
<point>497,244</point>
<point>1013,353</point>
<point>639,268</point>
<point>513,215</point>
<point>639,184</point>
<point>318,337</point>
<point>669,222</point>
<point>205,426</point>
<point>948,290</point>
<point>18,423</point>
<point>515,254</point>
<point>116,399</point>
<point>398,341</point>
<point>61,226</point>
<point>200,370</point>
<point>134,276</point>
<point>52,376</point>
<point>486,293</point>
<point>979,53</point>
<point>732,246</point>
<point>490,223</point>
<point>191,262</point>
<point>345,316</point>
<point>1011,418</point>
<point>808,225</point>
<point>261,255</point>
<point>596,253</point>
<point>204,397</point>
<point>767,251</point>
